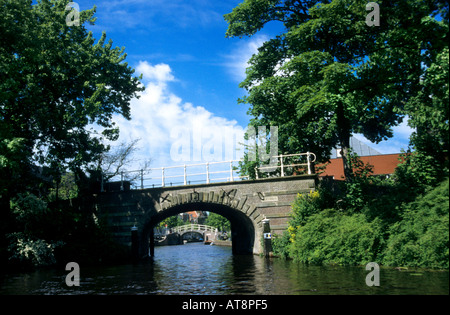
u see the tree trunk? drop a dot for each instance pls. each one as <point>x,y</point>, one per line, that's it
<point>345,150</point>
<point>344,134</point>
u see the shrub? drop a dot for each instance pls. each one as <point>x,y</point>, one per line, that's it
<point>31,252</point>
<point>419,171</point>
<point>280,245</point>
<point>304,206</point>
<point>421,238</point>
<point>330,237</point>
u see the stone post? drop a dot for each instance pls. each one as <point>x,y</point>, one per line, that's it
<point>267,237</point>
<point>134,243</point>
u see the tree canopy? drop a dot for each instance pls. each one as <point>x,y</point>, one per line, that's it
<point>56,83</point>
<point>330,75</point>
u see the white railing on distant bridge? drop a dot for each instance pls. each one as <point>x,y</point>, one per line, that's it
<point>193,227</point>
<point>206,175</point>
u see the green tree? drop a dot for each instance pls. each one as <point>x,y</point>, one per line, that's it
<point>172,222</point>
<point>55,82</point>
<point>330,75</point>
<point>218,221</point>
<point>429,113</point>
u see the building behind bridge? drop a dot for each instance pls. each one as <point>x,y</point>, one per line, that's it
<point>194,217</point>
<point>383,164</point>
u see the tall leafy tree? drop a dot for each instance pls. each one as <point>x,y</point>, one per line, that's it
<point>330,75</point>
<point>56,82</point>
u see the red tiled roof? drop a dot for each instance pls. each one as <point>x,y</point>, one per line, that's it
<point>382,165</point>
<point>193,214</point>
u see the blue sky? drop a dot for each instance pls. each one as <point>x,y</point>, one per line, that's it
<point>191,72</point>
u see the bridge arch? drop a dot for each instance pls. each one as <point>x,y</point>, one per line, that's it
<point>244,230</point>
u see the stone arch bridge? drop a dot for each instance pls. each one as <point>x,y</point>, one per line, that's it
<point>244,203</point>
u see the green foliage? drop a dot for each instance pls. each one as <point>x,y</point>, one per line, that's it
<point>56,233</point>
<point>172,222</point>
<point>218,221</point>
<point>55,82</point>
<point>391,229</point>
<point>357,190</point>
<point>331,237</point>
<point>419,171</point>
<point>66,189</point>
<point>421,238</point>
<point>429,112</point>
<point>28,248</point>
<point>29,211</point>
<point>330,75</point>
<point>14,156</point>
<point>280,245</point>
<point>32,252</point>
<point>305,205</point>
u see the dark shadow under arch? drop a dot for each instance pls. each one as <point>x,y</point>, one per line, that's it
<point>242,227</point>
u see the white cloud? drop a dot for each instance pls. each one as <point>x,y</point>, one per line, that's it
<point>400,140</point>
<point>159,73</point>
<point>237,60</point>
<point>174,132</point>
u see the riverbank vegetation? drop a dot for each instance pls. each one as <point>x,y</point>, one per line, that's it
<point>381,220</point>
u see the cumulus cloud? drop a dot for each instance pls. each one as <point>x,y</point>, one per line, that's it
<point>159,73</point>
<point>174,132</point>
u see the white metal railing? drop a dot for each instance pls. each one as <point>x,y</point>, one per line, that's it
<point>207,172</point>
<point>193,227</point>
<point>204,172</point>
<point>282,166</point>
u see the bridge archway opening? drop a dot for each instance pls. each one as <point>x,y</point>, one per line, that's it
<point>242,227</point>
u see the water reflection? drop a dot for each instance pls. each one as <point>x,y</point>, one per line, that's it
<point>199,269</point>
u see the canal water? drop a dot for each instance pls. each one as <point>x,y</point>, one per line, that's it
<point>196,269</point>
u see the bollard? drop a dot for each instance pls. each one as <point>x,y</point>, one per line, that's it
<point>267,238</point>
